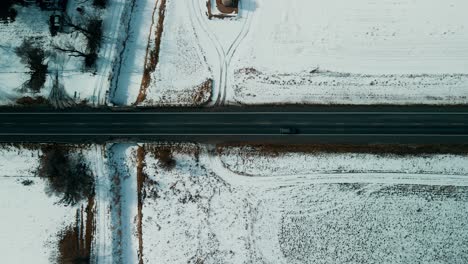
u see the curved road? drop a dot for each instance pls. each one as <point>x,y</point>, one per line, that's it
<point>318,125</point>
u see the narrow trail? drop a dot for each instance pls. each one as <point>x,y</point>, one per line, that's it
<point>101,250</point>
<point>124,203</point>
<point>108,50</point>
<point>236,43</point>
<point>114,89</point>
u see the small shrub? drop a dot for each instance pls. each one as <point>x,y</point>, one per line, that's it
<point>68,177</point>
<point>27,182</point>
<point>100,3</point>
<point>90,60</point>
<point>166,159</point>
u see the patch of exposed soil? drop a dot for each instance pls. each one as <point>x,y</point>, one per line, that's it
<point>202,94</point>
<point>152,54</point>
<point>186,148</point>
<point>74,245</point>
<point>141,179</point>
<point>32,101</point>
<point>199,95</point>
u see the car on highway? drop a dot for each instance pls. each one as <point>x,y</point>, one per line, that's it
<point>288,130</point>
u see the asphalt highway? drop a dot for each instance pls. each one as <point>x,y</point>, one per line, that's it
<point>337,126</point>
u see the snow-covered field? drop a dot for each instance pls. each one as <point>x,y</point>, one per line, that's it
<point>168,52</point>
<point>32,221</point>
<point>313,52</point>
<point>190,203</point>
<point>353,52</point>
<point>182,71</point>
<point>240,207</point>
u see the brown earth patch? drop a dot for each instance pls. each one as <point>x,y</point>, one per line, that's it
<point>188,148</point>
<point>74,245</point>
<point>141,179</point>
<point>152,54</point>
<point>165,157</point>
<point>199,95</point>
<point>203,93</point>
<point>399,150</point>
<point>32,101</point>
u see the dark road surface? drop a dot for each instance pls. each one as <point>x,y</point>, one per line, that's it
<point>339,126</point>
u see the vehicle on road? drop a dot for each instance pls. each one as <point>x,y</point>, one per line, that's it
<point>288,130</point>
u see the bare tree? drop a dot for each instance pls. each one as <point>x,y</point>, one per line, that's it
<point>100,3</point>
<point>34,57</point>
<point>73,51</point>
<point>67,176</point>
<point>90,27</point>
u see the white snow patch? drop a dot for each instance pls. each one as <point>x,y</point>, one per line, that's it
<point>354,52</point>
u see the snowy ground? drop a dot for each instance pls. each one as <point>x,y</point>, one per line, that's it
<point>170,53</point>
<point>308,52</point>
<point>122,168</point>
<point>242,205</point>
<point>32,220</point>
<point>194,54</point>
<point>182,69</point>
<point>82,86</point>
<point>358,52</point>
<point>139,17</point>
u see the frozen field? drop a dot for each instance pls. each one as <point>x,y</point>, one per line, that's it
<point>353,52</point>
<point>171,53</point>
<point>32,220</point>
<point>262,213</point>
<point>307,52</point>
<point>187,203</point>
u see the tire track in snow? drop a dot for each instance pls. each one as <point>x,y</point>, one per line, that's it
<point>217,45</point>
<point>223,56</point>
<point>236,43</point>
<point>235,179</point>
